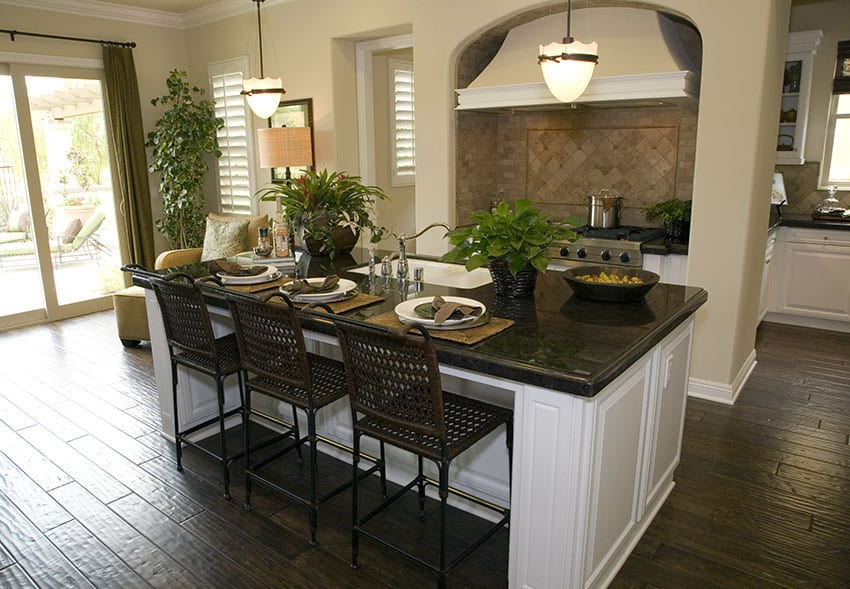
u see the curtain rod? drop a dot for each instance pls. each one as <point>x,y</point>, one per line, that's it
<point>12,33</point>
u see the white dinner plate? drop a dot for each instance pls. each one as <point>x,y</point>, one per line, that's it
<point>406,313</point>
<point>271,273</point>
<point>343,287</point>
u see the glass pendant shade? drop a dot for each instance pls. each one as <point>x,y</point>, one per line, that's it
<point>568,68</point>
<point>263,95</point>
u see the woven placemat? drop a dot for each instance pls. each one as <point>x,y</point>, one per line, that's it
<point>470,336</point>
<point>272,285</point>
<point>355,302</point>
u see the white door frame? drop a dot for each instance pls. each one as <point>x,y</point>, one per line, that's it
<point>365,98</point>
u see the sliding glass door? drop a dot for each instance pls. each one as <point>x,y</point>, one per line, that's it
<point>59,242</point>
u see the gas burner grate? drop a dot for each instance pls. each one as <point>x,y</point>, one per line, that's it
<point>638,234</point>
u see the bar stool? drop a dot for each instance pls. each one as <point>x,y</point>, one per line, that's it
<point>275,358</point>
<point>191,344</point>
<point>394,382</point>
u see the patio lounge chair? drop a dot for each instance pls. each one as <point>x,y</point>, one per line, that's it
<point>84,244</point>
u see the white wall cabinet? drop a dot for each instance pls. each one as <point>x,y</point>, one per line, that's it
<point>796,88</point>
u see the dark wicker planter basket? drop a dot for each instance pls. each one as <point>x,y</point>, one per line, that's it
<point>677,231</point>
<point>344,241</point>
<point>508,285</point>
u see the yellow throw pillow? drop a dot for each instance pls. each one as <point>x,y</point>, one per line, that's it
<point>254,223</point>
<point>224,238</point>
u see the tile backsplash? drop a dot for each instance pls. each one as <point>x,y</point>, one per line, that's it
<point>801,189</point>
<point>558,158</point>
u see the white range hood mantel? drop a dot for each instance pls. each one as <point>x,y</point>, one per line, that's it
<point>680,88</point>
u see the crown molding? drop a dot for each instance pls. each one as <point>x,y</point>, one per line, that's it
<point>223,9</point>
<point>145,16</point>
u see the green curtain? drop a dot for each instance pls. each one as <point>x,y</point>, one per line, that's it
<point>124,122</point>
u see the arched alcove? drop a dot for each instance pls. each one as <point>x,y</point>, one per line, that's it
<point>557,155</point>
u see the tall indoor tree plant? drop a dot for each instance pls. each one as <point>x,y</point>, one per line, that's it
<point>180,142</point>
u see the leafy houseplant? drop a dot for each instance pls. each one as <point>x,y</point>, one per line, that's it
<point>513,243</point>
<point>181,139</point>
<point>675,215</point>
<point>328,206</point>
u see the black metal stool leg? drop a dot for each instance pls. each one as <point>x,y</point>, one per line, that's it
<point>297,434</point>
<point>311,435</point>
<point>246,429</point>
<point>178,447</point>
<point>355,459</point>
<point>383,471</point>
<point>421,488</point>
<point>444,501</point>
<point>225,467</point>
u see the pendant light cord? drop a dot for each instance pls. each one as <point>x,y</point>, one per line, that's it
<point>260,35</point>
<point>569,38</point>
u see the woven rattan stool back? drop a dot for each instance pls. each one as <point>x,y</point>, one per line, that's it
<point>271,342</point>
<point>184,314</point>
<point>394,377</point>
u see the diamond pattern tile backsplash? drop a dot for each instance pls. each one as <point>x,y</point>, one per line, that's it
<point>801,189</point>
<point>566,165</point>
<point>558,158</point>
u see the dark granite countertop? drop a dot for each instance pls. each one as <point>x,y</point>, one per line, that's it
<point>559,341</point>
<point>662,247</point>
<point>806,221</point>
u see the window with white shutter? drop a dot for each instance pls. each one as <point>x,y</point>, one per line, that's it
<point>235,186</point>
<point>402,123</point>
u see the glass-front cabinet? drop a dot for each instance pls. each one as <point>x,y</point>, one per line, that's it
<point>796,88</point>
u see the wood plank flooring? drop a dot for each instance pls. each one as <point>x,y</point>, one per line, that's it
<point>89,495</point>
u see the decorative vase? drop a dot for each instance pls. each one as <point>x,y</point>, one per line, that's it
<point>343,240</point>
<point>508,285</point>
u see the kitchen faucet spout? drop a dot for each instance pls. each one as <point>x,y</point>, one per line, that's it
<point>402,253</point>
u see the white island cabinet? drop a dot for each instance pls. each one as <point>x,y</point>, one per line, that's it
<point>590,472</point>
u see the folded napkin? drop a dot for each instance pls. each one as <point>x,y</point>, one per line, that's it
<point>301,287</point>
<point>230,269</point>
<point>448,310</point>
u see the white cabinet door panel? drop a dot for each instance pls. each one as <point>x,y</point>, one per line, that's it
<point>816,281</point>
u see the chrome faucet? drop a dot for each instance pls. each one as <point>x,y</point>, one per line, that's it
<point>402,254</point>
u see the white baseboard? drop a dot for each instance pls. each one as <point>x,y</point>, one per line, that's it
<point>813,322</point>
<point>722,392</point>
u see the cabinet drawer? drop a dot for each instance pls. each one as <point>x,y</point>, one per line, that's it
<point>830,236</point>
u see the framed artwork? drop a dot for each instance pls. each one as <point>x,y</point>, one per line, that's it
<point>293,113</point>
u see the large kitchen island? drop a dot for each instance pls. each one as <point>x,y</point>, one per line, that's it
<point>598,392</point>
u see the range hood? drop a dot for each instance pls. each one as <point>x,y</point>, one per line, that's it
<point>642,62</point>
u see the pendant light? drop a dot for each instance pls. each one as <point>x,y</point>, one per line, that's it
<point>263,94</point>
<point>568,66</point>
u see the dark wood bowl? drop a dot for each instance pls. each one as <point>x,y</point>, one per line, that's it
<point>612,293</point>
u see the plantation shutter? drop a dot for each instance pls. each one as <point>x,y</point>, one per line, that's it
<point>402,123</point>
<point>234,179</point>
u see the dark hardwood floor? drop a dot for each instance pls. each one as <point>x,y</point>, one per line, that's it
<point>89,494</point>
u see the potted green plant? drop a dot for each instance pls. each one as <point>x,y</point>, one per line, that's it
<point>182,138</point>
<point>512,243</point>
<point>329,208</point>
<point>675,215</point>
